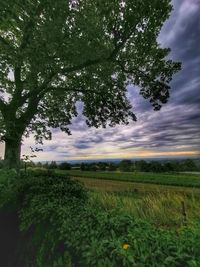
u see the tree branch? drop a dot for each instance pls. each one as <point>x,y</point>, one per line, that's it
<point>28,29</point>
<point>83,65</point>
<point>18,82</point>
<point>18,99</point>
<point>64,89</point>
<point>2,107</point>
<point>132,71</point>
<point>27,116</point>
<point>86,64</point>
<point>89,63</point>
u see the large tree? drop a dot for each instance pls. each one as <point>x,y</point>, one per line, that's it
<point>55,53</point>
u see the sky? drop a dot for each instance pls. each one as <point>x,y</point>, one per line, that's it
<point>174,131</point>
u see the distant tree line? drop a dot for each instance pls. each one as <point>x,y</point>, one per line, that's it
<point>160,166</point>
<point>125,165</point>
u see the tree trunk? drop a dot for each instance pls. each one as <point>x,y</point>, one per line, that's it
<point>12,153</point>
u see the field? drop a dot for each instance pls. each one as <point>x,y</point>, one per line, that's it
<point>176,179</point>
<point>134,187</point>
<point>166,200</point>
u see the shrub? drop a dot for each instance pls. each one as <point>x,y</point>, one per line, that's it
<point>38,199</point>
<point>117,239</point>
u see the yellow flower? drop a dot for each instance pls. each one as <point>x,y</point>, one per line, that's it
<point>125,246</point>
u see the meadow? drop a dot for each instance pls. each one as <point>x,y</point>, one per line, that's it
<point>167,200</point>
<point>179,179</point>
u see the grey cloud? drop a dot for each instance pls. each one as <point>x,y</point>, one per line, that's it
<point>81,145</point>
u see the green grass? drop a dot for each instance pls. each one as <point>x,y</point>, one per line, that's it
<point>160,209</point>
<point>145,198</point>
<point>179,179</point>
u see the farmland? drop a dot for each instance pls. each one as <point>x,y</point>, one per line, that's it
<point>156,198</point>
<point>175,179</point>
<point>134,187</point>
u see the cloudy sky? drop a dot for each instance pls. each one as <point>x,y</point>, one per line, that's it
<point>173,131</point>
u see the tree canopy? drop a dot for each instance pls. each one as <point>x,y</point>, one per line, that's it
<point>55,53</point>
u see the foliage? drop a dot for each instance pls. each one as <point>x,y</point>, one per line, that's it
<point>7,187</point>
<point>1,163</point>
<point>156,166</point>
<point>125,165</point>
<point>180,179</point>
<point>99,239</point>
<point>52,165</point>
<point>167,166</point>
<point>37,195</point>
<point>99,236</point>
<point>64,166</point>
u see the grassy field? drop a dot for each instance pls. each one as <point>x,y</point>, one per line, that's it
<point>165,200</point>
<point>169,209</point>
<point>156,198</point>
<point>176,179</point>
<point>104,185</point>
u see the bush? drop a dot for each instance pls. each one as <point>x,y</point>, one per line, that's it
<point>7,187</point>
<point>38,199</point>
<point>117,239</point>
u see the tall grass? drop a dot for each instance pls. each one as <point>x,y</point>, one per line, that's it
<point>161,209</point>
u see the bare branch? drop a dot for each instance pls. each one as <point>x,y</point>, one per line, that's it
<point>29,113</point>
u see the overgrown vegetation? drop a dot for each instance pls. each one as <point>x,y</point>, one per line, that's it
<point>68,227</point>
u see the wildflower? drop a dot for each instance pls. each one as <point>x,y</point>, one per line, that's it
<point>125,246</point>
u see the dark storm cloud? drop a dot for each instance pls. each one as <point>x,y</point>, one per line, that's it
<point>178,130</point>
<point>88,141</point>
<point>182,33</point>
<point>81,145</point>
